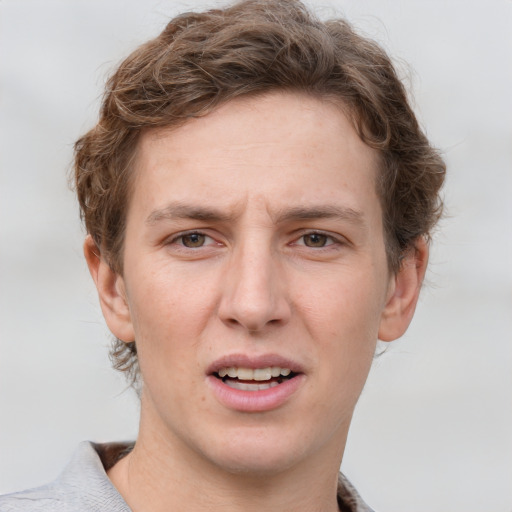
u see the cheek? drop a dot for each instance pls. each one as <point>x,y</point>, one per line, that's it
<point>343,319</point>
<point>170,311</point>
<point>346,308</point>
<point>161,296</point>
<point>167,323</point>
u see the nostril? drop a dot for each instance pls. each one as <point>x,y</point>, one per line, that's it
<point>253,324</point>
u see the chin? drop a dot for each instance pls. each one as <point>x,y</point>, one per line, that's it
<point>256,464</point>
<point>258,452</point>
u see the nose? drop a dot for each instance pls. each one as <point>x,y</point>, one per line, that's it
<point>254,291</point>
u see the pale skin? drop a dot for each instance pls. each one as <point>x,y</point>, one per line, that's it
<point>253,234</point>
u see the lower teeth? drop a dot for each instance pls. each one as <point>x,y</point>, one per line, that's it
<point>244,386</point>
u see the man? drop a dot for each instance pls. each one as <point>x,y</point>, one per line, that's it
<point>258,198</point>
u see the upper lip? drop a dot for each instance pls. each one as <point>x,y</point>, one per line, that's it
<point>253,362</point>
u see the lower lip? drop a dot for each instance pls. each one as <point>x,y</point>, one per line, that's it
<point>254,401</point>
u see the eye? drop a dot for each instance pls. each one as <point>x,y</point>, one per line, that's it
<point>316,240</point>
<point>193,240</point>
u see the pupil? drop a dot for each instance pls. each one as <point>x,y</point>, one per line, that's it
<point>315,240</point>
<point>193,240</point>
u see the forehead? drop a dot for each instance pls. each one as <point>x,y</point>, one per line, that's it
<point>279,150</point>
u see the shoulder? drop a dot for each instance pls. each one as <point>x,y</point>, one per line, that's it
<point>82,486</point>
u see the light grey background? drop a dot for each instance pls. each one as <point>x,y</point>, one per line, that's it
<point>433,430</point>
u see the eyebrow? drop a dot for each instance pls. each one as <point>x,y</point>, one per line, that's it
<point>186,211</point>
<point>320,212</point>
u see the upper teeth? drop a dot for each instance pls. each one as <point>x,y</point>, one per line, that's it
<point>256,374</point>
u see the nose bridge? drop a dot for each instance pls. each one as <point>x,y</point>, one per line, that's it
<point>253,294</point>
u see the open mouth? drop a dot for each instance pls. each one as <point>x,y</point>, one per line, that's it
<point>257,379</point>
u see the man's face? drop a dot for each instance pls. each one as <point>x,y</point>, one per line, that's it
<point>255,277</point>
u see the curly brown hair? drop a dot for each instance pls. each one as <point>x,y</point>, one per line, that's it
<point>202,60</point>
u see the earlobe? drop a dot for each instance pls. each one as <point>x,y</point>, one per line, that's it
<point>111,292</point>
<point>404,292</point>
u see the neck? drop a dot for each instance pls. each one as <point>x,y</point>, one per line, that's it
<point>159,475</point>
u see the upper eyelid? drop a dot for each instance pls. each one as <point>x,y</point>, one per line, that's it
<point>181,234</point>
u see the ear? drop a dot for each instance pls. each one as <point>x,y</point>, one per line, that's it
<point>111,291</point>
<point>404,291</point>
